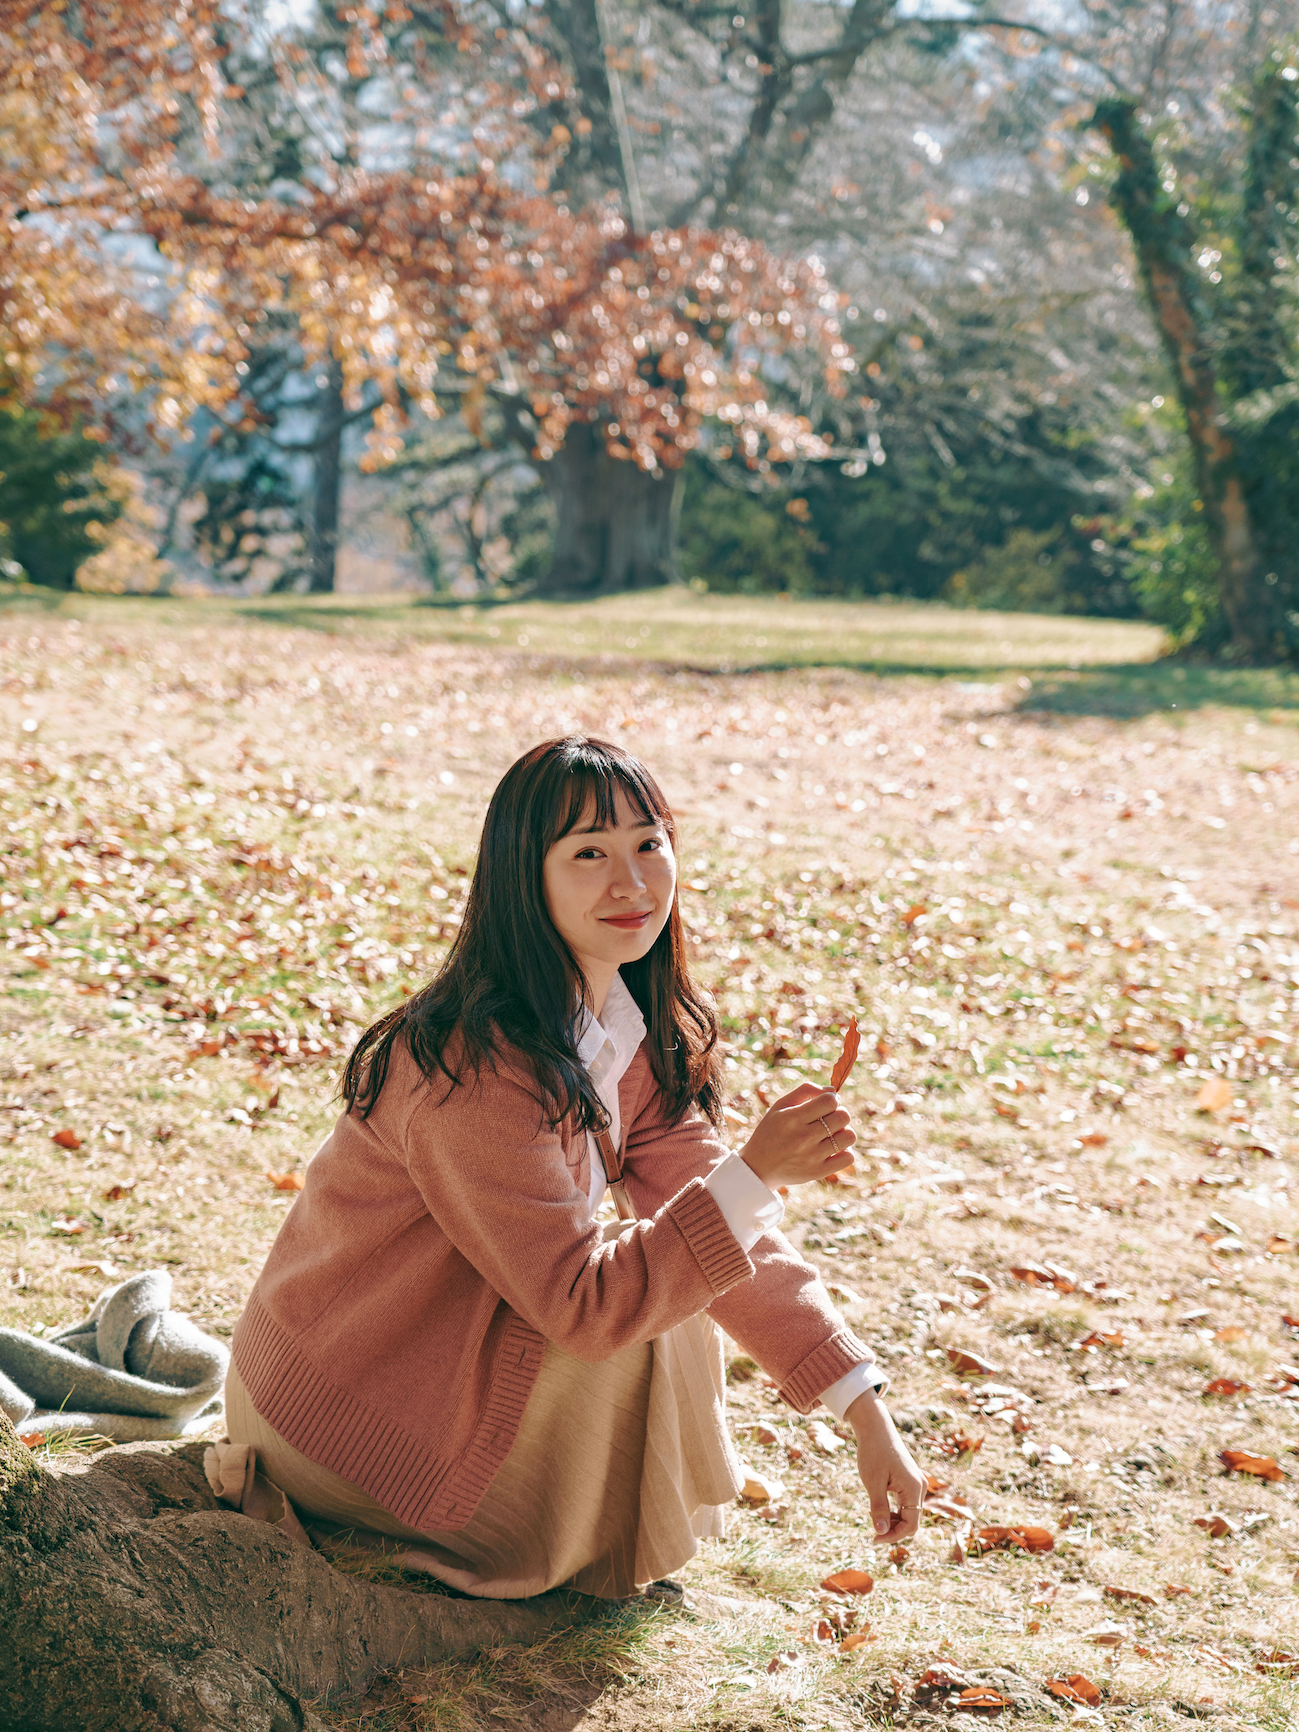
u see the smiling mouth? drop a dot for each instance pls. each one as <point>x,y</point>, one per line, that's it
<point>626,922</point>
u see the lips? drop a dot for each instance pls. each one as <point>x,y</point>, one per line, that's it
<point>626,922</point>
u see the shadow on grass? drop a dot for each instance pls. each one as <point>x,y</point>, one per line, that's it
<point>1165,687</point>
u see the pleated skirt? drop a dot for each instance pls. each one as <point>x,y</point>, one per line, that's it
<point>618,1471</point>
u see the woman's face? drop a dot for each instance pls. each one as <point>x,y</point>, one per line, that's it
<point>609,891</point>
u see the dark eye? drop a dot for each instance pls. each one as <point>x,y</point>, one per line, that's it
<point>587,854</point>
<point>651,842</point>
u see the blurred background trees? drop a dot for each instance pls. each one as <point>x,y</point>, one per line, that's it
<point>1004,307</point>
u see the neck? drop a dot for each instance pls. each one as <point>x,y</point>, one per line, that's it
<point>599,977</point>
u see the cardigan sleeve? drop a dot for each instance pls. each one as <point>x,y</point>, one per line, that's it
<point>783,1317</point>
<point>493,1177</point>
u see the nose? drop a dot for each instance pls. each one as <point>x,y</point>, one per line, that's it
<point>628,880</point>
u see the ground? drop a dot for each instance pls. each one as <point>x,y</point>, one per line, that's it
<point>1058,884</point>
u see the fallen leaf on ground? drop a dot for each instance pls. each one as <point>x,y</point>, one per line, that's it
<point>948,1509</point>
<point>786,1661</point>
<point>1279,1664</point>
<point>1075,1689</point>
<point>106,1271</point>
<point>823,1438</point>
<point>1225,1386</point>
<point>979,1696</point>
<point>120,1189</point>
<point>1093,1139</point>
<point>849,1582</point>
<point>847,1057</point>
<point>1231,1332</point>
<point>1261,1466</point>
<point>1132,1594</point>
<point>857,1639</point>
<point>1214,1096</point>
<point>66,1139</point>
<point>1102,1338</point>
<point>1173,1590</point>
<point>898,1556</point>
<point>1029,1539</point>
<point>972,1278</point>
<point>1107,1634</point>
<point>1216,1525</point>
<point>933,1484</point>
<point>287,1181</point>
<point>964,1361</point>
<point>913,914</point>
<point>757,1488</point>
<point>67,1224</point>
<point>943,1677</point>
<point>1278,1244</point>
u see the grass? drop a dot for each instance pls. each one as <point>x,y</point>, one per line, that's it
<point>229,837</point>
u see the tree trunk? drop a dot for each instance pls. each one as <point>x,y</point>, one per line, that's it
<point>1164,240</point>
<point>130,1601</point>
<point>617,524</point>
<point>327,483</point>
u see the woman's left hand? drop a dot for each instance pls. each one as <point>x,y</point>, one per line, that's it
<point>893,1482</point>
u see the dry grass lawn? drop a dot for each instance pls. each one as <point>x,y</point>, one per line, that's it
<point>1064,905</point>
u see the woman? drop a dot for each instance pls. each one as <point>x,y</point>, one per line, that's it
<point>445,1347</point>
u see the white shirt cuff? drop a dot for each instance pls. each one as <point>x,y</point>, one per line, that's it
<point>749,1207</point>
<point>841,1395</point>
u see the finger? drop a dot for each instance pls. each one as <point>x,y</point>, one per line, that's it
<point>804,1092</point>
<point>908,1521</point>
<point>817,1105</point>
<point>881,1511</point>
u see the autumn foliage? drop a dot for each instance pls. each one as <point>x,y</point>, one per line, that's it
<point>467,268</point>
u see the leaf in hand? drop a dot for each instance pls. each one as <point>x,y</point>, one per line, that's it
<point>287,1181</point>
<point>847,1057</point>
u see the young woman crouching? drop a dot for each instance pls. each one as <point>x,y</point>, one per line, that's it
<point>445,1346</point>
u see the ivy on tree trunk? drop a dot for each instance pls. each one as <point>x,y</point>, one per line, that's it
<point>1164,240</point>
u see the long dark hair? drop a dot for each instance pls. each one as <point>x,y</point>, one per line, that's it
<point>511,977</point>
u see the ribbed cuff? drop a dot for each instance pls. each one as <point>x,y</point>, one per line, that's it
<point>702,1224</point>
<point>823,1366</point>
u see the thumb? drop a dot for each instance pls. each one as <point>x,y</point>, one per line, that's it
<point>881,1514</point>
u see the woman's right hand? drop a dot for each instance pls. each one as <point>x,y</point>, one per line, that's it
<point>807,1135</point>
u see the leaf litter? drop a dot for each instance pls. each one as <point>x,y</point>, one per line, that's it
<point>220,910</point>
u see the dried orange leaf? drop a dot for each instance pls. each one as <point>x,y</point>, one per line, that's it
<point>1132,1594</point>
<point>66,1139</point>
<point>1075,1689</point>
<point>287,1181</point>
<point>1233,1332</point>
<point>1214,1096</point>
<point>1027,1539</point>
<point>963,1360</point>
<point>1174,1590</point>
<point>847,1057</point>
<point>1261,1466</point>
<point>857,1639</point>
<point>848,1582</point>
<point>980,1696</point>
<point>1225,1386</point>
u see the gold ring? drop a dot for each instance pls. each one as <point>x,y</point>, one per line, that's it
<point>829,1133</point>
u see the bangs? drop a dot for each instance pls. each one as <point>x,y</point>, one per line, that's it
<point>592,778</point>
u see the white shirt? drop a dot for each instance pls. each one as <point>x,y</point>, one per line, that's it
<point>750,1208</point>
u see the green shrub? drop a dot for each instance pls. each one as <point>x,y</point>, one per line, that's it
<point>733,541</point>
<point>1028,573</point>
<point>50,499</point>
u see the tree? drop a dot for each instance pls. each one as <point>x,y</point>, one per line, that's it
<point>1166,242</point>
<point>132,1602</point>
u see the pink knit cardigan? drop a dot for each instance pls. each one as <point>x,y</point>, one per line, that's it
<point>397,1328</point>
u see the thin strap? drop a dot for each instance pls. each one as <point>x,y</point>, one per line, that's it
<point>613,1173</point>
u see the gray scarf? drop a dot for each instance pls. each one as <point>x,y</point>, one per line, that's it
<point>133,1369</point>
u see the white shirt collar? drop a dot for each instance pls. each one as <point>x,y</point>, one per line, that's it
<point>608,1046</point>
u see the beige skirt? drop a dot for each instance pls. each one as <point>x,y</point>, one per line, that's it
<point>618,1471</point>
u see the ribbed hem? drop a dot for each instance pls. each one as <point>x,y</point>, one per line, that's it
<point>823,1366</point>
<point>335,1430</point>
<point>703,1227</point>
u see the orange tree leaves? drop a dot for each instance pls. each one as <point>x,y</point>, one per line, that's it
<point>565,315</point>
